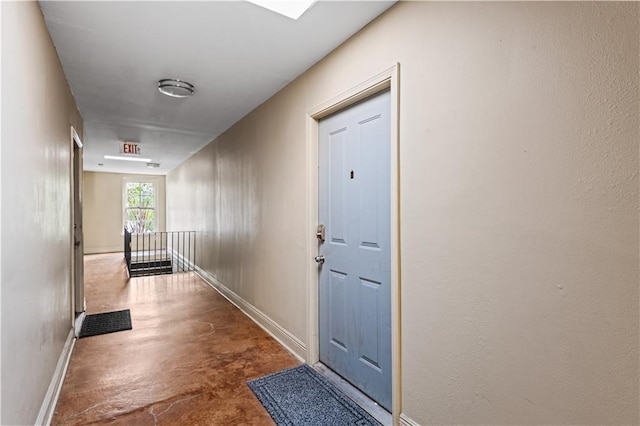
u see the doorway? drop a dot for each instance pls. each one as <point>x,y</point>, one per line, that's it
<point>78,305</point>
<point>354,254</point>
<point>388,81</point>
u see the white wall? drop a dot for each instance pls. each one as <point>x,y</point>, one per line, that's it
<point>103,209</point>
<point>519,206</point>
<point>37,112</point>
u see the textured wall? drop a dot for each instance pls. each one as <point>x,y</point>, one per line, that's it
<point>519,206</point>
<point>520,171</point>
<point>238,193</point>
<point>103,209</point>
<point>37,112</point>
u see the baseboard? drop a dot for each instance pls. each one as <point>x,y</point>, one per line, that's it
<point>286,339</point>
<point>78,323</point>
<point>98,250</point>
<point>180,259</point>
<point>406,421</point>
<point>51,398</point>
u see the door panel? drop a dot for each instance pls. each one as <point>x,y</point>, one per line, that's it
<point>355,280</point>
<point>369,153</point>
<point>369,345</point>
<point>338,153</point>
<point>338,314</point>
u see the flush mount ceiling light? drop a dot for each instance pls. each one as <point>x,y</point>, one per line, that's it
<point>176,88</point>
<point>115,157</point>
<point>290,8</point>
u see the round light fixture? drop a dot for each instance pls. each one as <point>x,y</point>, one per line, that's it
<point>175,88</point>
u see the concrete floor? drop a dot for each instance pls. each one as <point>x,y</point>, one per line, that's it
<point>186,361</point>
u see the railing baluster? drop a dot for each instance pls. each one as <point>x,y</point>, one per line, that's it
<point>127,249</point>
<point>177,248</point>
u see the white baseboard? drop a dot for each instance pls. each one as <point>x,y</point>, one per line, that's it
<point>98,250</point>
<point>286,339</point>
<point>51,398</point>
<point>180,259</point>
<point>406,421</point>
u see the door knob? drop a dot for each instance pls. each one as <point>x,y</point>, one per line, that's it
<point>319,259</point>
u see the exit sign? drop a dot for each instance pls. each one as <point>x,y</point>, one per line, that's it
<point>129,148</point>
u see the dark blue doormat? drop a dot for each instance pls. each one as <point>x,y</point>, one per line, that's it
<point>301,396</point>
<point>107,322</point>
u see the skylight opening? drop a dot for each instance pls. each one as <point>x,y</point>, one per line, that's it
<point>290,8</point>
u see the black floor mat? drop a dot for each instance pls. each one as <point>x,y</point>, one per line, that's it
<point>107,322</point>
<point>300,396</point>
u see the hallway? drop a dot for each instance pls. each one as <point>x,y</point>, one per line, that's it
<point>186,361</point>
<point>513,206</point>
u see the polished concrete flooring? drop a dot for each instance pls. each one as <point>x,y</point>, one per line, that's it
<point>186,361</point>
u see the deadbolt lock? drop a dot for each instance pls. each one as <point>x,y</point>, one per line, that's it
<point>320,233</point>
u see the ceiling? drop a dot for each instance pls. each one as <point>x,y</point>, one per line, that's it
<point>236,53</point>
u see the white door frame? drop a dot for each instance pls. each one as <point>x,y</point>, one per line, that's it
<point>388,79</point>
<point>75,142</point>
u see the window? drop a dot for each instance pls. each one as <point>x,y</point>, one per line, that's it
<point>140,207</point>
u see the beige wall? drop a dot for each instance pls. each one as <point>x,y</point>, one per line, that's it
<point>519,206</point>
<point>103,209</point>
<point>37,112</point>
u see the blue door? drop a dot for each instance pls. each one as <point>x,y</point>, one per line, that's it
<point>355,278</point>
